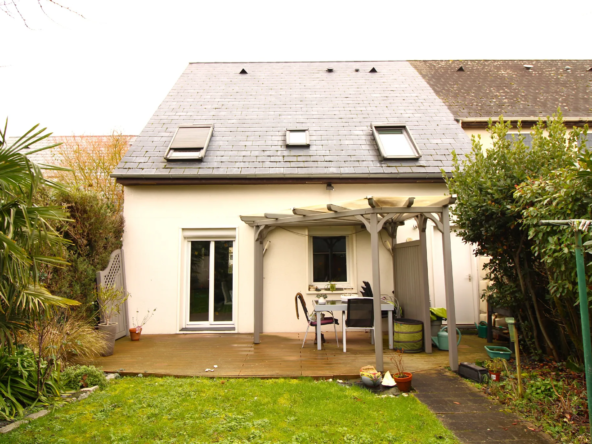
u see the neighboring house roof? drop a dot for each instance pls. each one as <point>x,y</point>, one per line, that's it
<point>53,157</point>
<point>490,88</point>
<point>251,113</point>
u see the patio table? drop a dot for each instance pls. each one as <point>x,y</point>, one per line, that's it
<point>339,305</point>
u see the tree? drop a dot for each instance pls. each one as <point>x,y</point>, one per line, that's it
<point>491,216</point>
<point>12,8</point>
<point>26,236</point>
<point>90,162</point>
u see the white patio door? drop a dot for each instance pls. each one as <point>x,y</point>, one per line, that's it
<point>211,283</point>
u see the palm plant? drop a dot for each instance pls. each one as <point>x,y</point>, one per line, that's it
<point>27,239</point>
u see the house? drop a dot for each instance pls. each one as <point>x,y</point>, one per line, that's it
<point>234,142</point>
<point>524,91</point>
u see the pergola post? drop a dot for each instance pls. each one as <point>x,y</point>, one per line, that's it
<point>258,284</point>
<point>374,242</point>
<point>449,287</point>
<point>424,286</point>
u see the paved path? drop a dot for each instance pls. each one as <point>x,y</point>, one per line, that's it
<point>468,413</point>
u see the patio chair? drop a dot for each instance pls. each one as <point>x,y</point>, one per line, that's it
<point>325,321</point>
<point>360,316</point>
<point>367,293</point>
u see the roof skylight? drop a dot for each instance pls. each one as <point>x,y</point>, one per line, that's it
<point>395,142</point>
<point>190,142</point>
<point>297,137</point>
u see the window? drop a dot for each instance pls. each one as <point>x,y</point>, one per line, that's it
<point>209,282</point>
<point>190,142</point>
<point>395,142</point>
<point>515,136</point>
<point>329,259</point>
<point>297,137</point>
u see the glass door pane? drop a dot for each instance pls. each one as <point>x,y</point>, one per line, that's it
<point>199,283</point>
<point>223,289</point>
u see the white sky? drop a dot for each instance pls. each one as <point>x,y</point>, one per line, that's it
<point>110,70</point>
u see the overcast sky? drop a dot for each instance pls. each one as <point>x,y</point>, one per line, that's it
<point>111,69</point>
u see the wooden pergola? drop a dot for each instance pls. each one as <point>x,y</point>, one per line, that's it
<point>375,214</point>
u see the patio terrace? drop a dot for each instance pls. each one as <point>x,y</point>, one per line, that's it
<point>278,355</point>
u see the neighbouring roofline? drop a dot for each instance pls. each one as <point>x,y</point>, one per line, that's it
<point>229,180</point>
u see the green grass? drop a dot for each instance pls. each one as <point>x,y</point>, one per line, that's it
<point>167,410</point>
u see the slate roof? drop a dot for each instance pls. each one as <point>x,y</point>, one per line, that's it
<point>251,113</point>
<point>490,88</point>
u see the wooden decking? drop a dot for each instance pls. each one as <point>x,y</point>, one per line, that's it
<point>278,355</point>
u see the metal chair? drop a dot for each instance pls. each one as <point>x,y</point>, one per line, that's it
<point>325,321</point>
<point>360,316</point>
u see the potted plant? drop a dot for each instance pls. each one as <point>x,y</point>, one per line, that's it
<point>138,323</point>
<point>110,300</point>
<point>495,367</point>
<point>331,286</point>
<point>321,299</point>
<point>401,377</point>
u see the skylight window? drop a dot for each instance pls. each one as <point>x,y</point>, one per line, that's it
<point>297,137</point>
<point>190,142</point>
<point>395,142</point>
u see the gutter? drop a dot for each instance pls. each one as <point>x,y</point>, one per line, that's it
<point>483,122</point>
<point>160,179</point>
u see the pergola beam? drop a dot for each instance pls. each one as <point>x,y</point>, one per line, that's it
<point>449,287</point>
<point>305,212</point>
<point>304,219</point>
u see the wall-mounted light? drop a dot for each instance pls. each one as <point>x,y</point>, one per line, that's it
<point>330,187</point>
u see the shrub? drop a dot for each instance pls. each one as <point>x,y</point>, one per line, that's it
<point>19,381</point>
<point>80,376</point>
<point>95,231</point>
<point>68,337</point>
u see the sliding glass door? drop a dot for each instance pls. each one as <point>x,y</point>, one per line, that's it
<point>211,282</point>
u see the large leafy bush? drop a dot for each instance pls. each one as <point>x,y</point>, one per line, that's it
<point>526,272</point>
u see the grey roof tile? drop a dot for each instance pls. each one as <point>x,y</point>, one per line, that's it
<point>252,112</point>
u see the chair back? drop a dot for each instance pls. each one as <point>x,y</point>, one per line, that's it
<point>366,290</point>
<point>300,298</point>
<point>360,313</point>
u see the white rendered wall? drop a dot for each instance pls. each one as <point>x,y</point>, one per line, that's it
<point>153,243</point>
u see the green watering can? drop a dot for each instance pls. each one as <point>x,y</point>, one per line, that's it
<point>441,341</point>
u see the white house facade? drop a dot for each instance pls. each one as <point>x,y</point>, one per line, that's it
<point>239,139</point>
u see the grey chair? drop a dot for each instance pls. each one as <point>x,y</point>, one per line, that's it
<point>328,320</point>
<point>360,316</point>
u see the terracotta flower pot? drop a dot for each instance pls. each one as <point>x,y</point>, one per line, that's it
<point>403,383</point>
<point>109,331</point>
<point>495,376</point>
<point>135,333</point>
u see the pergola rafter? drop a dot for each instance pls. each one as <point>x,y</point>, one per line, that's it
<point>374,214</point>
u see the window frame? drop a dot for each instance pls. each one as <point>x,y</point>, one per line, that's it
<point>200,155</point>
<point>207,234</point>
<point>349,259</point>
<point>302,145</point>
<point>377,127</point>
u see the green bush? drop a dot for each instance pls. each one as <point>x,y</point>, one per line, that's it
<point>94,231</point>
<point>80,376</point>
<point>20,382</point>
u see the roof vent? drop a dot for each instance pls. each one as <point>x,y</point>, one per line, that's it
<point>358,70</point>
<point>568,68</point>
<point>329,69</point>
<point>373,70</point>
<point>590,69</point>
<point>528,67</point>
<point>460,69</point>
<point>243,71</point>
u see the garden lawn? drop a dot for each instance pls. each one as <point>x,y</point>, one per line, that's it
<point>199,410</point>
